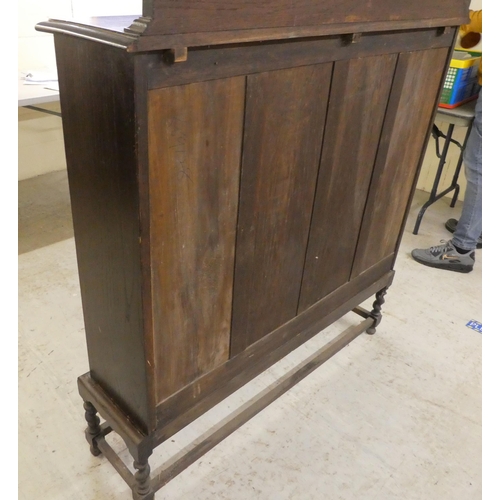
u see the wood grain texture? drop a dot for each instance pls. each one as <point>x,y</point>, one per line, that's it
<point>358,101</point>
<point>285,116</point>
<point>138,442</point>
<point>98,110</point>
<point>195,134</point>
<point>140,35</point>
<point>411,107</point>
<point>213,38</point>
<point>426,141</point>
<point>204,192</point>
<point>192,401</point>
<point>192,16</point>
<point>222,62</point>
<point>141,64</point>
<point>208,440</point>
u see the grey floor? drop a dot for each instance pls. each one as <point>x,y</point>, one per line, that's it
<point>393,416</point>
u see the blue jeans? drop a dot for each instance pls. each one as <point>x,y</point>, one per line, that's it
<point>470,227</point>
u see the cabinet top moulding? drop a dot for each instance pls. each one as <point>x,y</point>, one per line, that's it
<point>171,24</point>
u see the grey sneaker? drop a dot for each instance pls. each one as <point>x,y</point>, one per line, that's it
<point>445,256</point>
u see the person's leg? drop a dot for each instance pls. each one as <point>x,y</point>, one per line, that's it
<point>458,254</point>
<point>469,227</point>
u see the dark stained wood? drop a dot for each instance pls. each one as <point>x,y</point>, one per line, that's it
<point>358,101</point>
<point>193,16</point>
<point>376,312</point>
<point>141,64</point>
<point>93,427</point>
<point>361,311</point>
<point>142,488</point>
<point>426,141</point>
<point>232,201</point>
<point>222,62</point>
<point>418,76</point>
<point>145,487</point>
<point>132,34</point>
<point>138,443</point>
<point>115,461</point>
<point>192,401</point>
<point>194,156</point>
<point>240,416</point>
<point>202,39</point>
<point>97,104</point>
<point>284,121</point>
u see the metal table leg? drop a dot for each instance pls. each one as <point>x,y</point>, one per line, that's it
<point>459,167</point>
<point>434,197</point>
<point>454,186</point>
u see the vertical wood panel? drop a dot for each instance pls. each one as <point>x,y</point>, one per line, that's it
<point>285,117</point>
<point>358,101</point>
<point>416,82</point>
<point>195,134</point>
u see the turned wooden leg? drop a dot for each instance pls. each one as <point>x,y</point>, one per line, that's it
<point>376,313</point>
<point>93,427</point>
<point>142,490</point>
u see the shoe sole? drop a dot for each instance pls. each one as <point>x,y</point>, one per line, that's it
<point>458,268</point>
<point>451,225</point>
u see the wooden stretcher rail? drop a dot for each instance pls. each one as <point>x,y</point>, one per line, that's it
<point>216,434</point>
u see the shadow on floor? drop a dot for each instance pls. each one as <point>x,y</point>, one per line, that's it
<point>44,211</point>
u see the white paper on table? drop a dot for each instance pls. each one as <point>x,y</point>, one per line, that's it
<point>52,86</point>
<point>39,77</point>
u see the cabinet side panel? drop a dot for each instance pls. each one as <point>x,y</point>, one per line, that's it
<point>195,134</point>
<point>358,101</point>
<point>411,106</point>
<point>97,102</point>
<point>284,124</point>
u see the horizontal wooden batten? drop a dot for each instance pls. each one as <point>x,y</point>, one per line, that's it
<point>222,62</point>
<point>192,401</point>
<point>162,42</point>
<point>245,412</point>
<point>135,33</point>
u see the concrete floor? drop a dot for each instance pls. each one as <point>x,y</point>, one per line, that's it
<point>393,416</point>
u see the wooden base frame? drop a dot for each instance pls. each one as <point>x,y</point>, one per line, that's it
<point>140,446</point>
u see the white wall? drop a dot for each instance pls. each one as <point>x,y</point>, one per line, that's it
<point>40,138</point>
<point>36,50</point>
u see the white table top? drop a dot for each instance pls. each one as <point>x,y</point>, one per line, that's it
<point>461,115</point>
<point>35,94</point>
